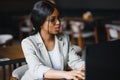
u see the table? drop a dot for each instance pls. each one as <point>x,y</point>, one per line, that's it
<point>12,52</point>
<point>16,56</point>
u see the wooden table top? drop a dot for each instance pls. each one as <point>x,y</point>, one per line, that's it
<point>12,52</point>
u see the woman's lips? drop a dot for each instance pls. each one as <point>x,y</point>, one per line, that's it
<point>57,28</point>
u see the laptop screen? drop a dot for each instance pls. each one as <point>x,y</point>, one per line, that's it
<point>103,61</point>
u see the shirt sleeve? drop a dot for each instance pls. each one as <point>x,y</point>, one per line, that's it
<point>36,67</point>
<point>74,60</point>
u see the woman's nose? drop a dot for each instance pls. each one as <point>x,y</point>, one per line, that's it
<point>58,21</point>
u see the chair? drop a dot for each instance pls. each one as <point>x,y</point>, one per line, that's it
<point>7,66</point>
<point>76,33</point>
<point>112,31</point>
<point>18,72</point>
<point>25,27</point>
<point>5,40</point>
<point>76,28</point>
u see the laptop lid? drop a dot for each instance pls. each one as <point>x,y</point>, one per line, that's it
<point>103,61</point>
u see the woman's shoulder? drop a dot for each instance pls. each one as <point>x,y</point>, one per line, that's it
<point>28,39</point>
<point>34,38</point>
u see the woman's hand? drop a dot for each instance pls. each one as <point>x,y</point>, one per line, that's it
<point>82,71</point>
<point>75,74</point>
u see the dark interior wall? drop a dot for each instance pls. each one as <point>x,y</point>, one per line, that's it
<point>97,7</point>
<point>16,5</point>
<point>20,5</point>
<point>66,4</point>
<point>89,4</point>
<point>67,7</point>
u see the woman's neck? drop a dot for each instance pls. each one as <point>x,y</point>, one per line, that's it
<point>48,39</point>
<point>46,36</point>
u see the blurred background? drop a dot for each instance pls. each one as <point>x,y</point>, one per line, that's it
<point>11,11</point>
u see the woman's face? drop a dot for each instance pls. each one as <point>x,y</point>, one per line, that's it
<point>52,24</point>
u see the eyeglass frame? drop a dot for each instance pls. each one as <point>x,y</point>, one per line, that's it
<point>55,19</point>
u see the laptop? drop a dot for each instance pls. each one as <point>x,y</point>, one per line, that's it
<point>103,61</point>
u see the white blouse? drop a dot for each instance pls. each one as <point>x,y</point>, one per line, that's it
<point>54,56</point>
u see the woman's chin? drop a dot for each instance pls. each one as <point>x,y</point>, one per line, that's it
<point>57,32</point>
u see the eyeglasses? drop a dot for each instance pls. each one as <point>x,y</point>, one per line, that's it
<point>54,19</point>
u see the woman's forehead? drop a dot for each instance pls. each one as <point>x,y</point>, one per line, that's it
<point>55,13</point>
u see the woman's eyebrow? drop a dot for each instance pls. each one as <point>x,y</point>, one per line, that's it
<point>53,16</point>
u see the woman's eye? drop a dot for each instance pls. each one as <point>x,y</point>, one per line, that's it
<point>53,20</point>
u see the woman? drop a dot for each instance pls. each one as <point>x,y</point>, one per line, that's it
<point>48,52</point>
